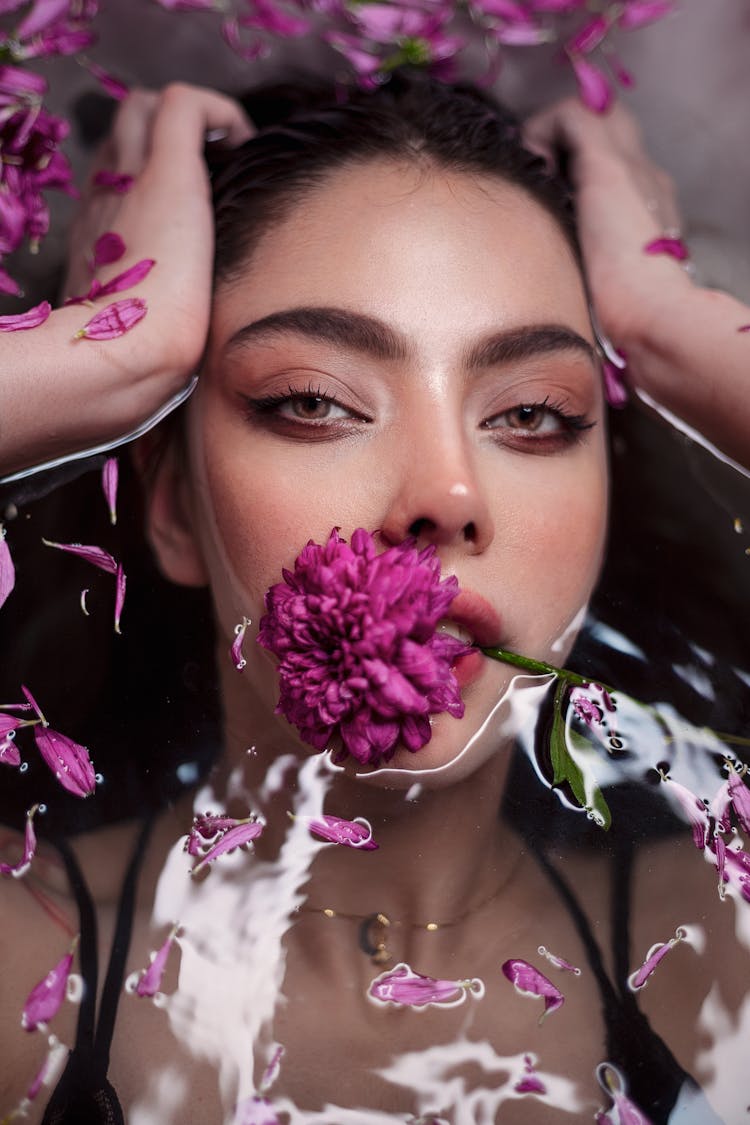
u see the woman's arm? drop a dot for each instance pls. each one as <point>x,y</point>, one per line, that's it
<point>59,395</point>
<point>681,341</point>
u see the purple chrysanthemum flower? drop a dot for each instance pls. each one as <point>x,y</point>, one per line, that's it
<point>359,656</point>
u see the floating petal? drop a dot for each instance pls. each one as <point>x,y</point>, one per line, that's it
<point>118,182</point>
<point>693,807</point>
<point>739,795</point>
<point>9,753</point>
<point>638,13</point>
<point>69,761</point>
<point>355,833</point>
<point>673,247</point>
<point>655,955</point>
<point>125,280</point>
<point>558,962</point>
<point>271,1073</point>
<point>615,388</point>
<point>113,321</point>
<point>45,998</point>
<point>236,651</point>
<point>528,981</point>
<point>108,248</point>
<point>121,581</point>
<point>94,555</point>
<point>32,318</point>
<point>50,1069</point>
<point>242,833</point>
<point>29,848</point>
<point>150,979</point>
<point>593,86</point>
<point>404,988</point>
<point>7,569</point>
<point>623,1111</point>
<point>113,86</point>
<point>255,1111</point>
<point>110,471</point>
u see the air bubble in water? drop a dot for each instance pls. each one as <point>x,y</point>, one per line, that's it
<point>98,778</point>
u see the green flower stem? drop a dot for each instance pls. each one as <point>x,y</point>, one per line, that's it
<point>540,667</point>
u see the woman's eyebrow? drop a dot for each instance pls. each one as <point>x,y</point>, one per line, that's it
<point>342,327</point>
<point>515,344</point>
<point>370,336</point>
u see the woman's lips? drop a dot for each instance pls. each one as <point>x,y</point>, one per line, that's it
<point>474,614</point>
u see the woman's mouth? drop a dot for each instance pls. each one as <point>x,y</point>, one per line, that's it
<point>475,622</point>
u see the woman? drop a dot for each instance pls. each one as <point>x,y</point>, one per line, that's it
<point>400,340</point>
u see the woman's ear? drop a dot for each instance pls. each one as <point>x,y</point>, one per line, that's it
<point>170,525</point>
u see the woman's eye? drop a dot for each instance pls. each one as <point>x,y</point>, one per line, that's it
<point>311,408</point>
<point>540,420</point>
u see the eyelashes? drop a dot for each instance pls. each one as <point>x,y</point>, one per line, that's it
<point>309,412</point>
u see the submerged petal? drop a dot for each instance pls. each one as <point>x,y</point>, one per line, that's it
<point>739,795</point>
<point>29,847</point>
<point>150,979</point>
<point>110,472</point>
<point>94,555</point>
<point>355,833</point>
<point>241,833</point>
<point>7,570</point>
<point>404,988</point>
<point>45,998</point>
<point>120,584</point>
<point>655,955</point>
<point>528,981</point>
<point>238,659</point>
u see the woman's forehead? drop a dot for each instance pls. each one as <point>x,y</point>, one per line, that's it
<point>424,249</point>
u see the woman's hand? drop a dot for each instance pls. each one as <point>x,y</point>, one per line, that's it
<point>683,344</point>
<point>623,202</point>
<point>59,395</point>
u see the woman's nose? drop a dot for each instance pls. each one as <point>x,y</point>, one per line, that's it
<point>439,499</point>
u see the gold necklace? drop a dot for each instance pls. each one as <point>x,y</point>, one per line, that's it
<point>374,928</point>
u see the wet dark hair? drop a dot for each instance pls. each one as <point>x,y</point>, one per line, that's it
<point>308,131</point>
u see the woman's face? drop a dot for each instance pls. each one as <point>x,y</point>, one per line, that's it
<point>409,351</point>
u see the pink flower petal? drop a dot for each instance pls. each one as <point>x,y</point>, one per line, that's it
<point>29,848</point>
<point>530,1082</point>
<point>355,833</point>
<point>236,650</point>
<point>69,761</point>
<point>41,15</point>
<point>110,472</point>
<point>615,389</point>
<point>189,5</point>
<point>111,85</point>
<point>7,570</point>
<point>118,182</point>
<point>558,962</point>
<point>623,1111</point>
<point>693,807</point>
<point>673,247</point>
<point>32,318</point>
<point>8,285</point>
<point>121,581</point>
<point>590,36</point>
<point>150,979</point>
<point>50,1069</point>
<point>638,13</point>
<point>113,321</point>
<point>593,86</point>
<point>44,1000</point>
<point>528,981</point>
<point>9,752</point>
<point>739,794</point>
<point>255,1111</point>
<point>108,248</point>
<point>655,955</point>
<point>125,280</point>
<point>94,555</point>
<point>271,1073</point>
<point>242,832</point>
<point>403,987</point>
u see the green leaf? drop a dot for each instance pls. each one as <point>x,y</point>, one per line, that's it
<point>565,767</point>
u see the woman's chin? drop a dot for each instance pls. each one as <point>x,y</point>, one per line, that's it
<point>457,747</point>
